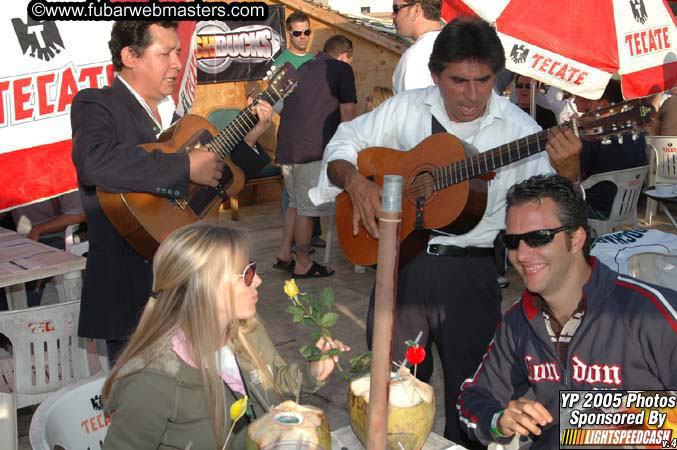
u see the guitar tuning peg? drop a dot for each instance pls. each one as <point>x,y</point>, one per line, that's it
<point>635,135</point>
<point>619,136</point>
<point>606,141</point>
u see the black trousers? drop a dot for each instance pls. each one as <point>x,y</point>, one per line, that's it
<point>456,303</point>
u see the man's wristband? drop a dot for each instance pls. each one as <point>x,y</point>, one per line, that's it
<point>494,424</point>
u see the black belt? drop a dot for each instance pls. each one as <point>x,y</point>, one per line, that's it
<point>465,252</point>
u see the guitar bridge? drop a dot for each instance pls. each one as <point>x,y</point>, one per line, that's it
<point>418,223</point>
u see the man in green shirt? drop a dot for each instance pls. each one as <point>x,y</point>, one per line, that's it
<point>298,27</point>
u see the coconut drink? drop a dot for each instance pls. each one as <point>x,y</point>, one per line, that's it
<point>411,410</point>
<point>290,422</point>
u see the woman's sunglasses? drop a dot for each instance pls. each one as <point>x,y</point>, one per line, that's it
<point>297,33</point>
<point>533,239</point>
<point>248,273</point>
<point>522,85</point>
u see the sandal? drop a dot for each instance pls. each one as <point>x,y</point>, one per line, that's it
<point>315,271</point>
<point>287,266</point>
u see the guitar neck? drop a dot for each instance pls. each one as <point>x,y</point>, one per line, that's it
<point>483,163</point>
<point>228,138</point>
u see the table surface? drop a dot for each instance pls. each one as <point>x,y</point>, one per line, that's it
<point>344,438</point>
<point>22,259</point>
<point>651,192</point>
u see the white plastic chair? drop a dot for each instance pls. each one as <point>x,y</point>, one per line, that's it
<point>69,285</point>
<point>663,161</point>
<point>656,268</point>
<point>72,418</point>
<point>73,242</point>
<point>649,255</point>
<point>47,355</point>
<point>331,226</point>
<point>624,209</point>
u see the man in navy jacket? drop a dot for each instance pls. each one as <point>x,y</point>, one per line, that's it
<point>579,325</point>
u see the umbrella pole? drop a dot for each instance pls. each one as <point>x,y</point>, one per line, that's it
<point>532,99</point>
<point>390,218</point>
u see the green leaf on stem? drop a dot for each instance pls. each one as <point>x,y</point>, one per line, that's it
<point>303,299</point>
<point>306,351</point>
<point>325,301</point>
<point>291,309</point>
<point>316,335</point>
<point>334,352</point>
<point>329,319</point>
<point>360,363</point>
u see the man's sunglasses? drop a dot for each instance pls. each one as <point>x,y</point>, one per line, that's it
<point>533,239</point>
<point>396,8</point>
<point>297,33</point>
<point>248,273</point>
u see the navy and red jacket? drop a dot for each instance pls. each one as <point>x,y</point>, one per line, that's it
<point>627,339</point>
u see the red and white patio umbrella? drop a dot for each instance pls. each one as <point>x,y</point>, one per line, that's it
<point>578,45</point>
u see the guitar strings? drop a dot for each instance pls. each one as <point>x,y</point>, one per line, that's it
<point>226,141</point>
<point>507,150</point>
<point>503,154</point>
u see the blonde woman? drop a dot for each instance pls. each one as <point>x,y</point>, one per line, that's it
<point>379,94</point>
<point>199,347</point>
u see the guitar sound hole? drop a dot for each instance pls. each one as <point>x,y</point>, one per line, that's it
<point>423,184</point>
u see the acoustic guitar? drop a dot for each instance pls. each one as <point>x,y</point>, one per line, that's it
<point>445,184</point>
<point>145,219</point>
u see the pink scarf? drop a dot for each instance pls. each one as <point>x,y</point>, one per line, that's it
<point>230,371</point>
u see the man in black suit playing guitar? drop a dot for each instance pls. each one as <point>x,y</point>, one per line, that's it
<point>108,125</point>
<point>449,291</point>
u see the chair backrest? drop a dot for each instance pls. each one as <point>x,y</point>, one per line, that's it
<point>629,186</point>
<point>650,255</point>
<point>47,352</point>
<point>221,117</point>
<point>72,418</point>
<point>664,154</point>
<point>72,241</point>
<point>655,268</point>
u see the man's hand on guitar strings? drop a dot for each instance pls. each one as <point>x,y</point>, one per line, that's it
<point>365,197</point>
<point>264,111</point>
<point>564,149</point>
<point>205,167</point>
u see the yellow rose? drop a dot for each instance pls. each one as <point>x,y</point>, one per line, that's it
<point>238,409</point>
<point>290,288</point>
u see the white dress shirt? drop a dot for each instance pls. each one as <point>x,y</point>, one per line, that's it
<point>165,108</point>
<point>404,120</point>
<point>412,70</point>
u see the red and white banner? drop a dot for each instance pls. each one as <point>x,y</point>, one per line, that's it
<point>45,64</point>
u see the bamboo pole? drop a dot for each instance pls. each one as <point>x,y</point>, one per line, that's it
<point>390,218</point>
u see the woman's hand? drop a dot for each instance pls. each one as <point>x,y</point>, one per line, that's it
<point>323,368</point>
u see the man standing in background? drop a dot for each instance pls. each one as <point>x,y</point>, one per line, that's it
<point>419,21</point>
<point>298,27</point>
<point>325,97</point>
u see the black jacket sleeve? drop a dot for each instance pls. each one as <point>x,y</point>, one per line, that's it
<point>499,378</point>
